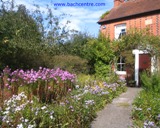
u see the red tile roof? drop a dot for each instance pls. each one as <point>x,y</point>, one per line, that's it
<point>131,8</point>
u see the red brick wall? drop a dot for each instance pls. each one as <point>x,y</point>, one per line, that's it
<point>152,21</point>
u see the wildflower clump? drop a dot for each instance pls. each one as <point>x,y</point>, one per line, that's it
<point>47,84</point>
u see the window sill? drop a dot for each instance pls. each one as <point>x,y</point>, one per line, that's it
<point>121,72</point>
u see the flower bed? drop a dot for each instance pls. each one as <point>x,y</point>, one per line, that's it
<point>146,110</point>
<point>76,109</point>
<point>46,84</point>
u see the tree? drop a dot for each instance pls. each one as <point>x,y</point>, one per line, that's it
<point>76,44</point>
<point>28,38</point>
<point>19,39</point>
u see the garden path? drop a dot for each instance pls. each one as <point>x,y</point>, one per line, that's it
<point>118,113</point>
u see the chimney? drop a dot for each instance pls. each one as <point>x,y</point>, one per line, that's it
<point>118,2</point>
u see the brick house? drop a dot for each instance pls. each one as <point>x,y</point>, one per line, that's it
<point>127,14</point>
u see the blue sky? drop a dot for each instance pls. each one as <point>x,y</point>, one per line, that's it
<point>83,18</point>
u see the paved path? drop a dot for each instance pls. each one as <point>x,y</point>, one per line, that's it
<point>118,113</point>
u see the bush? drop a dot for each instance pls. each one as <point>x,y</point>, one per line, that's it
<point>101,55</point>
<point>102,70</point>
<point>70,63</point>
<point>151,82</point>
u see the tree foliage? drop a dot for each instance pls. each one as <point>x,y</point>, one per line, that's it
<point>138,39</point>
<point>76,45</point>
<point>101,55</point>
<point>19,39</point>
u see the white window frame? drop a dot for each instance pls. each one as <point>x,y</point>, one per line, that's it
<point>119,30</point>
<point>120,72</point>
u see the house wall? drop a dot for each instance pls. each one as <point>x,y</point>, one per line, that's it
<point>150,21</point>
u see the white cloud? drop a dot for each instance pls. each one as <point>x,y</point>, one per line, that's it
<point>30,4</point>
<point>80,17</point>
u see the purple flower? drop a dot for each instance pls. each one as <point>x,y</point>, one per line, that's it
<point>71,108</point>
<point>67,101</point>
<point>149,124</point>
<point>105,84</point>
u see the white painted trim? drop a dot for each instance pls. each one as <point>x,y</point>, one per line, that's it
<point>121,72</point>
<point>136,78</point>
<point>153,62</point>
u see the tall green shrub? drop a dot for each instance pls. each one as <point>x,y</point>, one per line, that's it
<point>101,54</point>
<point>151,83</point>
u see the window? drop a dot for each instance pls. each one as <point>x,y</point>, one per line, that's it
<point>120,30</point>
<point>123,32</point>
<point>121,64</point>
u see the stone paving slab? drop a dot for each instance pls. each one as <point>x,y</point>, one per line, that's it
<point>118,113</point>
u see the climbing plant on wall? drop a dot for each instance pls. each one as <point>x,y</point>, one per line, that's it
<point>137,39</point>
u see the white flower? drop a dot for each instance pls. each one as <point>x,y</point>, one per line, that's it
<point>105,93</point>
<point>36,113</point>
<point>44,107</point>
<point>148,109</point>
<point>89,102</point>
<point>138,109</point>
<point>46,112</point>
<point>51,117</point>
<point>62,103</point>
<point>8,108</point>
<point>22,118</point>
<point>77,86</point>
<point>26,120</point>
<point>19,126</point>
<point>7,121</point>
<point>18,98</point>
<point>18,109</point>
<point>31,126</point>
<point>5,112</point>
<point>86,91</point>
